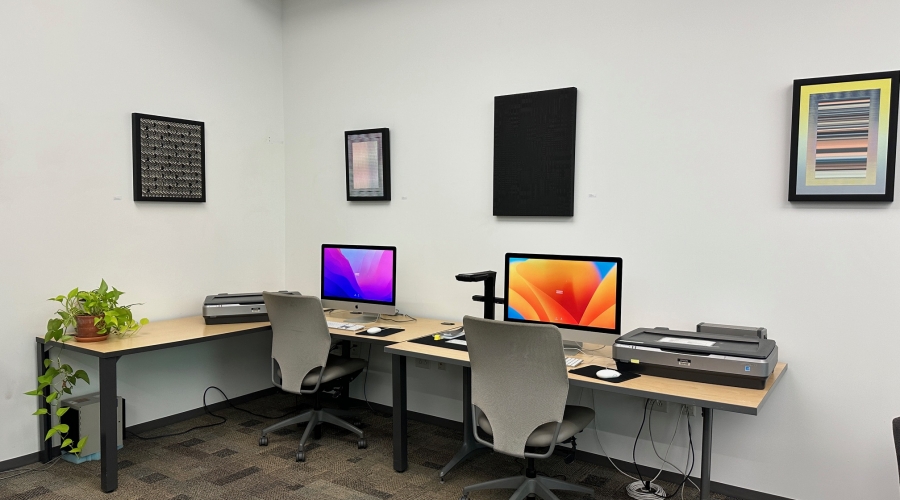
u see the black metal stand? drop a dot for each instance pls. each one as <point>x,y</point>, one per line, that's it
<point>47,451</point>
<point>706,458</point>
<point>109,453</point>
<point>398,369</point>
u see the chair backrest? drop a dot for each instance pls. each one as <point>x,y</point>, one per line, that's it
<point>519,378</point>
<point>300,338</point>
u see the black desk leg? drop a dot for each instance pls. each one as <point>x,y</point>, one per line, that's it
<point>706,458</point>
<point>469,443</point>
<point>47,451</point>
<point>344,401</point>
<point>109,465</point>
<point>398,373</point>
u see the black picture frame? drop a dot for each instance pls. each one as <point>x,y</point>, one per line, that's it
<point>843,160</point>
<point>172,179</point>
<point>380,139</point>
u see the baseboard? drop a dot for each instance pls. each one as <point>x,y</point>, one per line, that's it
<point>592,458</point>
<point>196,412</point>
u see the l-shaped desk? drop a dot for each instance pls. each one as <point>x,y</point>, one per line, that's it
<point>192,330</point>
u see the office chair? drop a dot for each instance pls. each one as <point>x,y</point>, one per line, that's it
<point>519,390</point>
<point>301,363</point>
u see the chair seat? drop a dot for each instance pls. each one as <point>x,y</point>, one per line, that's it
<point>575,419</point>
<point>336,367</point>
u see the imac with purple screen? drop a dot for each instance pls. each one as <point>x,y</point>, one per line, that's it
<point>360,279</point>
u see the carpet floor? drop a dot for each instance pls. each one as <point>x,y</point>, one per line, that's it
<point>226,462</point>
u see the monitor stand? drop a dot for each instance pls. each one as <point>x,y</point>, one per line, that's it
<point>353,316</point>
<point>572,344</point>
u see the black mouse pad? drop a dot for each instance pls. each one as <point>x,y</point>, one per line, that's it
<point>383,333</point>
<point>429,340</point>
<point>591,371</point>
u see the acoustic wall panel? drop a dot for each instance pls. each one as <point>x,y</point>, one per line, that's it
<point>534,153</point>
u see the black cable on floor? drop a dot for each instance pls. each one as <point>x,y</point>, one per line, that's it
<point>634,449</point>
<point>209,412</point>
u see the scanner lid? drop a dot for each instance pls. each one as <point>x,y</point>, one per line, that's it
<point>699,343</point>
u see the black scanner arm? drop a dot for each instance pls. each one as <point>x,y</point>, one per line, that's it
<point>490,282</point>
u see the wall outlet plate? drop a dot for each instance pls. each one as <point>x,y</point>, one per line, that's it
<point>442,366</point>
<point>422,363</point>
<point>660,406</point>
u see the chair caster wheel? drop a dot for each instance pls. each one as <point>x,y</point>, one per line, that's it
<point>264,441</point>
<point>464,497</point>
<point>301,456</point>
<point>361,444</point>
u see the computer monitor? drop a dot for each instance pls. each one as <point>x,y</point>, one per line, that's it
<point>360,279</point>
<point>581,295</point>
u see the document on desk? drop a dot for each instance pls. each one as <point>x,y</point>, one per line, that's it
<point>457,341</point>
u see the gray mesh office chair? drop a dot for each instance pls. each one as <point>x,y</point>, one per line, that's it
<point>301,363</point>
<point>519,390</point>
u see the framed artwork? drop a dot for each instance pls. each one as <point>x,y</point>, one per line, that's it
<point>844,138</point>
<point>368,154</point>
<point>169,159</point>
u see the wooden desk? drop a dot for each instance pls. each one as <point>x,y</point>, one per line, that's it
<point>707,396</point>
<point>174,333</point>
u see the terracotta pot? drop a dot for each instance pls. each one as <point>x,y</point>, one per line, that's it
<point>86,330</point>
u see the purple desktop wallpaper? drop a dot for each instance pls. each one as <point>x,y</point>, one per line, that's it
<point>358,274</point>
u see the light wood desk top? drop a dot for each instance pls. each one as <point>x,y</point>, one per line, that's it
<point>183,331</point>
<point>719,397</point>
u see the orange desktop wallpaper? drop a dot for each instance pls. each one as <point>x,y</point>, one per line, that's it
<point>563,291</point>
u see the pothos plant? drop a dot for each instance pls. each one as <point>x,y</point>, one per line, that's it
<point>109,318</point>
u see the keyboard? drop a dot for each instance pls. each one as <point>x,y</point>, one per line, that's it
<point>352,327</point>
<point>573,362</point>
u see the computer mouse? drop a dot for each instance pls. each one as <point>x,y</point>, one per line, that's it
<point>374,329</point>
<point>606,373</point>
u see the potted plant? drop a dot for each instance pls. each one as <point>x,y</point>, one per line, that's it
<point>94,314</point>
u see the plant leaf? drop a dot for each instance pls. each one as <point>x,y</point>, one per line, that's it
<point>83,376</point>
<point>35,392</point>
<point>47,363</point>
<point>50,433</point>
<point>41,411</point>
<point>65,443</point>
<point>66,338</point>
<point>61,411</point>
<point>52,397</point>
<point>63,428</point>
<point>144,321</point>
<point>72,293</point>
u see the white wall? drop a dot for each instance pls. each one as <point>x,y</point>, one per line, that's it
<point>72,74</point>
<point>682,134</point>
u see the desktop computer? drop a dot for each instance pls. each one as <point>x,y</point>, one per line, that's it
<point>360,279</point>
<point>580,295</point>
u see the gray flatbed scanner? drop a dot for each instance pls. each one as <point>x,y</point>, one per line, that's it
<point>714,358</point>
<point>235,308</point>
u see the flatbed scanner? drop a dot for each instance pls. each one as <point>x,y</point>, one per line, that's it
<point>714,358</point>
<point>235,308</point>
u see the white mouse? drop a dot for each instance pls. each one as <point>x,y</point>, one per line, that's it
<point>374,329</point>
<point>606,373</point>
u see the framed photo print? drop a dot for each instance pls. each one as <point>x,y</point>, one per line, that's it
<point>368,155</point>
<point>844,138</point>
<point>168,159</point>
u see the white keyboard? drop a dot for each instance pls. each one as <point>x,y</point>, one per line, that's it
<point>352,327</point>
<point>573,361</point>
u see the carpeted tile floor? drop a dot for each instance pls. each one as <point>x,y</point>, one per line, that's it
<point>226,462</point>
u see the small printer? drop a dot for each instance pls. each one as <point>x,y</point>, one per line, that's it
<point>235,308</point>
<point>736,359</point>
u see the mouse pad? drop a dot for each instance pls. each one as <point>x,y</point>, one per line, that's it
<point>429,340</point>
<point>383,333</point>
<point>591,371</point>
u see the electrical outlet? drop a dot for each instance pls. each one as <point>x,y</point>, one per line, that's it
<point>690,410</point>
<point>442,366</point>
<point>354,351</point>
<point>660,406</point>
<point>423,363</point>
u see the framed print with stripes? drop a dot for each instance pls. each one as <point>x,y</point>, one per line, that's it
<point>844,138</point>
